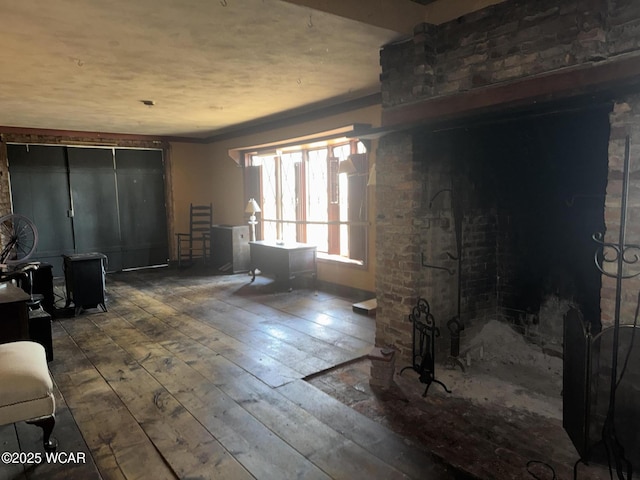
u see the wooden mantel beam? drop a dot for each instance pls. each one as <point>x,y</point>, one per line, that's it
<point>606,76</point>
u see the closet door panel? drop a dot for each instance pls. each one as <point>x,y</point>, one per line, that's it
<point>95,203</point>
<point>143,214</point>
<point>40,191</point>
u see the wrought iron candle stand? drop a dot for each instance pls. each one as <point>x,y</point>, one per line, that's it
<point>424,334</point>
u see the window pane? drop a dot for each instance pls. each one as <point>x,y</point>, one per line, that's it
<point>317,199</point>
<point>300,193</point>
<point>269,210</point>
<point>342,152</point>
<point>289,194</point>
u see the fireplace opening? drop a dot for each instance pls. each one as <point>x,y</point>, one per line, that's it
<point>525,194</point>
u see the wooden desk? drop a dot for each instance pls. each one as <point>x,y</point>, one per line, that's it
<point>285,262</point>
<point>14,314</point>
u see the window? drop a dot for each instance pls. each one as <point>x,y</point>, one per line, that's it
<point>313,194</point>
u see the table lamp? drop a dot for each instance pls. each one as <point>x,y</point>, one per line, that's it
<point>252,208</point>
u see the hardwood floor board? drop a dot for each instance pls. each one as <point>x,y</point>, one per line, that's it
<point>210,333</point>
<point>241,307</point>
<point>130,310</point>
<point>9,443</point>
<point>349,461</point>
<point>161,310</point>
<point>180,301</point>
<point>335,324</point>
<point>259,364</point>
<point>188,326</point>
<point>318,348</point>
<point>81,379</point>
<point>207,325</point>
<point>218,306</point>
<point>267,369</point>
<point>151,305</point>
<point>327,334</point>
<point>341,310</point>
<point>184,443</point>
<point>66,360</point>
<point>227,324</point>
<point>284,300</point>
<point>363,329</point>
<point>258,449</point>
<point>190,372</point>
<point>157,329</point>
<point>219,311</point>
<point>336,455</point>
<point>219,370</point>
<point>285,353</point>
<point>263,453</point>
<point>286,339</point>
<point>136,297</point>
<point>82,329</point>
<point>215,368</point>
<point>367,433</point>
<point>265,312</point>
<point>232,319</point>
<point>70,441</point>
<point>119,446</point>
<point>192,457</point>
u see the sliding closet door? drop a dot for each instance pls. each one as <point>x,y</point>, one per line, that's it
<point>143,214</point>
<point>96,224</point>
<point>86,200</point>
<point>40,191</point>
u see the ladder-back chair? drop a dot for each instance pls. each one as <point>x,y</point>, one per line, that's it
<point>195,244</point>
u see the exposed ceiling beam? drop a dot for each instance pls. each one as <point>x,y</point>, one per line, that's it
<point>397,15</point>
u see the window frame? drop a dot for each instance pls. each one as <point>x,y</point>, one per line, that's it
<point>337,242</point>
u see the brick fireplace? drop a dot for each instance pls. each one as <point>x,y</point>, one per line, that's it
<point>505,134</point>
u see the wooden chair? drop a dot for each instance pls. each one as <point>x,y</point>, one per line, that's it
<point>195,244</point>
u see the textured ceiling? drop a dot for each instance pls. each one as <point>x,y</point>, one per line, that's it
<point>206,64</point>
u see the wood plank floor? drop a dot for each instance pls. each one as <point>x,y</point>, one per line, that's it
<point>196,376</point>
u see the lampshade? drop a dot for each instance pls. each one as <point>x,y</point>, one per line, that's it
<point>252,206</point>
<point>347,166</point>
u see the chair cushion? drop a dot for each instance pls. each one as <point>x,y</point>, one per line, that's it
<point>30,410</point>
<point>24,375</point>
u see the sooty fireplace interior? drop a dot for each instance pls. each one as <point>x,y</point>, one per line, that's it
<point>531,193</point>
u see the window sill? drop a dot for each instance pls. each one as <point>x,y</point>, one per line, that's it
<point>325,257</point>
